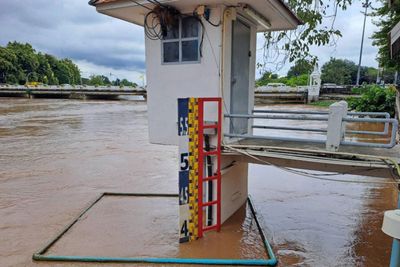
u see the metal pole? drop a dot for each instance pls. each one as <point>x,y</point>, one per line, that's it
<point>366,5</point>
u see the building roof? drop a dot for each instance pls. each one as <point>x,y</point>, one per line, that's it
<point>277,12</point>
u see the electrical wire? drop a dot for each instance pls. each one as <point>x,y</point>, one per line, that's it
<point>162,19</point>
<point>217,64</point>
<point>308,174</point>
<point>156,3</point>
<point>139,4</point>
<point>203,30</point>
<point>211,23</point>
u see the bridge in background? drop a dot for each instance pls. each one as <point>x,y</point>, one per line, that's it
<point>70,92</point>
<point>283,94</point>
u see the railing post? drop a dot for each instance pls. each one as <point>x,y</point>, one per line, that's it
<point>397,109</point>
<point>336,125</point>
<point>313,93</point>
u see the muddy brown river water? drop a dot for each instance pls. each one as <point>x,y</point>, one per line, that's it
<point>57,155</point>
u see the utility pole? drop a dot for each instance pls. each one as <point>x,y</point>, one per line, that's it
<point>366,5</point>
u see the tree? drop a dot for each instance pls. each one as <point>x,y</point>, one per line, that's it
<point>374,99</point>
<point>53,62</point>
<point>339,71</point>
<point>368,75</point>
<point>318,29</point>
<point>99,80</point>
<point>62,72</point>
<point>301,80</point>
<point>20,62</point>
<point>387,18</point>
<point>125,82</point>
<point>9,72</point>
<point>73,71</point>
<point>301,67</point>
<point>27,61</point>
<point>117,82</point>
<point>267,77</point>
<point>45,73</point>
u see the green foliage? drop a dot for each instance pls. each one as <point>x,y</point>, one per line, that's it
<point>98,80</point>
<point>292,81</point>
<point>9,72</point>
<point>301,67</point>
<point>267,77</point>
<point>27,61</point>
<point>318,29</point>
<point>375,99</point>
<point>298,75</point>
<point>368,75</point>
<point>387,18</point>
<point>20,63</point>
<point>125,82</point>
<point>324,104</point>
<point>339,71</point>
<point>300,80</point>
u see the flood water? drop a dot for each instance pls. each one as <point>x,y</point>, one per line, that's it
<point>58,155</point>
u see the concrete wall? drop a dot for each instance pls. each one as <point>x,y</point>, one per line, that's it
<point>167,83</point>
<point>234,187</point>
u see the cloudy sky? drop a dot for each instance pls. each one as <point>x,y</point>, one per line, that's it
<point>104,45</point>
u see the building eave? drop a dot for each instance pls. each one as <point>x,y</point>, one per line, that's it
<point>283,17</point>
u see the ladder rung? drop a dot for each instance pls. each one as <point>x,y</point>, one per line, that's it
<point>209,228</point>
<point>212,126</point>
<point>211,153</point>
<point>211,178</point>
<point>206,204</point>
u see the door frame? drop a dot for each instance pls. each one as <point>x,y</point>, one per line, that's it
<point>226,64</point>
<point>234,58</point>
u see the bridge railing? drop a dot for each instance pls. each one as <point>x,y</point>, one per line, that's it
<point>332,126</point>
<point>326,114</point>
<point>70,87</point>
<point>281,89</point>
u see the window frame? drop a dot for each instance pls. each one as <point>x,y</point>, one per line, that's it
<point>180,40</point>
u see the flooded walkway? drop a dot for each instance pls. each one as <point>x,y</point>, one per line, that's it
<point>57,155</point>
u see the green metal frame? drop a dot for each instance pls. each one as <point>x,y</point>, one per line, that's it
<point>40,255</point>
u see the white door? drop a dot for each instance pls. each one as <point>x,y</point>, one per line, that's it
<point>240,76</point>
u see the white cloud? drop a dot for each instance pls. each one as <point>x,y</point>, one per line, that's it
<point>88,69</point>
<point>101,44</point>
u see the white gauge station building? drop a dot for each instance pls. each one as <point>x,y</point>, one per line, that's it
<point>211,56</point>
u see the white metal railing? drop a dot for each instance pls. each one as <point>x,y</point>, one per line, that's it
<point>335,126</point>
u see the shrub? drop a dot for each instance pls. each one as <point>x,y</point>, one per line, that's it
<point>374,98</point>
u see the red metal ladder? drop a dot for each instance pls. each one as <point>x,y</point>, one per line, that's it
<point>215,177</point>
